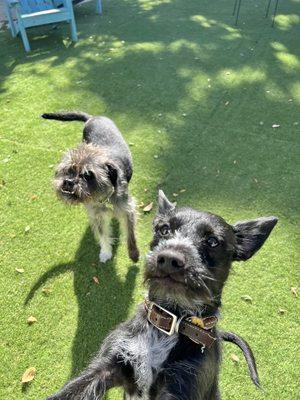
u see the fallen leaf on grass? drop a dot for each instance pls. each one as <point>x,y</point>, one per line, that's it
<point>294,291</point>
<point>182,190</point>
<point>234,358</point>
<point>226,103</point>
<point>31,320</point>
<point>46,291</point>
<point>148,207</point>
<point>281,311</point>
<point>28,375</point>
<point>20,270</point>
<point>141,205</point>
<point>246,298</point>
<point>275,126</point>
<point>175,194</point>
<point>27,229</point>
<point>96,280</point>
<point>34,197</point>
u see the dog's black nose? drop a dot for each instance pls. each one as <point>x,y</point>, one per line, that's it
<point>68,185</point>
<point>170,260</point>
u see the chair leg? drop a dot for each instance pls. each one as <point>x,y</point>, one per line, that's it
<point>11,24</point>
<point>268,8</point>
<point>73,29</point>
<point>99,7</point>
<point>275,12</point>
<point>234,7</point>
<point>24,37</point>
<point>238,11</point>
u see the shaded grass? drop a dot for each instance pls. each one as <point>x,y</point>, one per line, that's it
<point>184,84</point>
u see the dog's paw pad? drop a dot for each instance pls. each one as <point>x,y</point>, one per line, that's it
<point>105,256</point>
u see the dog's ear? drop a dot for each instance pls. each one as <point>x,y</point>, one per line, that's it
<point>251,235</point>
<point>112,173</point>
<point>164,205</point>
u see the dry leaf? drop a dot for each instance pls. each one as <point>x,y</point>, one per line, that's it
<point>148,207</point>
<point>246,298</point>
<point>281,311</point>
<point>46,291</point>
<point>182,190</point>
<point>234,358</point>
<point>28,375</point>
<point>20,270</point>
<point>34,197</point>
<point>226,103</point>
<point>27,229</point>
<point>96,280</point>
<point>31,320</point>
<point>175,194</point>
<point>275,126</point>
<point>294,291</point>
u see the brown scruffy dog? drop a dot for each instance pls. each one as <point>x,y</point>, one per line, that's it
<point>97,173</point>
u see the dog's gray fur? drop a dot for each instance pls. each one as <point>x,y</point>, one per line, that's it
<point>147,363</point>
<point>97,173</point>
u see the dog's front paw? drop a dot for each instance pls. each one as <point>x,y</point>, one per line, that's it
<point>105,256</point>
<point>134,254</point>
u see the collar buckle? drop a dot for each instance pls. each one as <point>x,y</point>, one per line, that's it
<point>174,324</point>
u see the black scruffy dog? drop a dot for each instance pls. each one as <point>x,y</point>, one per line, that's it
<point>170,350</point>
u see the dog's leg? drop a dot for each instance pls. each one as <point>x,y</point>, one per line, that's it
<point>100,219</point>
<point>90,385</point>
<point>105,238</point>
<point>127,212</point>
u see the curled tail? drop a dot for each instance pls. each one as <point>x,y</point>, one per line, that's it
<point>248,354</point>
<point>67,116</point>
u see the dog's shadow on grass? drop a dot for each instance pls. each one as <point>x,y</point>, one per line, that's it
<point>101,306</point>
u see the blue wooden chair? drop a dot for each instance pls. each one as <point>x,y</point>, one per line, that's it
<point>22,14</point>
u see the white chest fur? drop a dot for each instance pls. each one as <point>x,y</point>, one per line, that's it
<point>146,353</point>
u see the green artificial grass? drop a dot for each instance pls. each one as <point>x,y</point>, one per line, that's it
<point>196,98</point>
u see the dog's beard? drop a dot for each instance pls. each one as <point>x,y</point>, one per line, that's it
<point>189,289</point>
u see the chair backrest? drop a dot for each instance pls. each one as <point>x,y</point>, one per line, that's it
<point>31,6</point>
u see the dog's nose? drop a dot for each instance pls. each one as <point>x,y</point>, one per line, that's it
<point>68,185</point>
<point>170,260</point>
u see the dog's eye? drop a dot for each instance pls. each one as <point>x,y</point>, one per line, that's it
<point>212,241</point>
<point>164,230</point>
<point>88,176</point>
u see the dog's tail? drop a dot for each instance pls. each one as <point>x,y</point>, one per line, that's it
<point>67,116</point>
<point>248,354</point>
